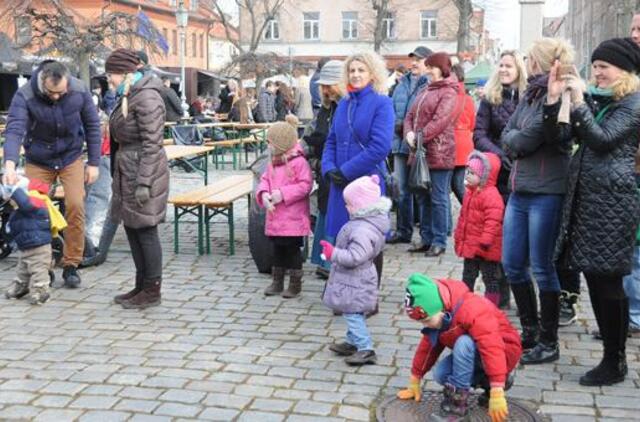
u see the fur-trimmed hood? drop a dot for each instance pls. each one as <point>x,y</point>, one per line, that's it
<point>377,214</point>
<point>491,163</point>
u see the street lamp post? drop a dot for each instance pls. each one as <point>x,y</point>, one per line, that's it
<point>182,18</point>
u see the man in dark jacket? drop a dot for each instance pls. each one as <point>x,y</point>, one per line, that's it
<point>403,96</point>
<point>52,117</point>
<point>171,101</point>
<point>328,81</point>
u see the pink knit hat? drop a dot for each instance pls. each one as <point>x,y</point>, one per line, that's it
<point>476,165</point>
<point>362,192</point>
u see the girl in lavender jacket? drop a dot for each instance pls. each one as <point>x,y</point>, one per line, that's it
<point>353,282</point>
<point>284,191</point>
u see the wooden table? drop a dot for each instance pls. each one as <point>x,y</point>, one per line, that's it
<point>207,202</point>
<point>181,152</point>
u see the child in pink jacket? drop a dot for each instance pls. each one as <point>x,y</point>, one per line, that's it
<point>284,191</point>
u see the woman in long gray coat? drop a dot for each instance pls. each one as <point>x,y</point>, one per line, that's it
<point>140,172</point>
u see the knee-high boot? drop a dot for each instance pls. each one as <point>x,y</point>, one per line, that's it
<point>547,349</point>
<point>614,325</point>
<point>525,297</point>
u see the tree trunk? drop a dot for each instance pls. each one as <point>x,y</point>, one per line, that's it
<point>84,68</point>
<point>465,11</point>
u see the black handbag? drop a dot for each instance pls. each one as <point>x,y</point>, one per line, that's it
<point>419,177</point>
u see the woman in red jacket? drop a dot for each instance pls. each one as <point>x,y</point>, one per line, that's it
<point>462,133</point>
<point>485,346</point>
<point>478,235</point>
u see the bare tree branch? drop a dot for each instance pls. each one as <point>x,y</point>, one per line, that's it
<point>55,30</point>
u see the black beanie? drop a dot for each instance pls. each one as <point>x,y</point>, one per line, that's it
<point>620,52</point>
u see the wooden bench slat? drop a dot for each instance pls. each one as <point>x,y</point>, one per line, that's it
<point>228,196</point>
<point>181,151</point>
<point>223,144</point>
<point>195,197</point>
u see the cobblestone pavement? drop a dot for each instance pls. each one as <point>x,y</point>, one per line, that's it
<point>217,349</point>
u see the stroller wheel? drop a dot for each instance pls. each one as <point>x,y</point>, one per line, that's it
<point>5,249</point>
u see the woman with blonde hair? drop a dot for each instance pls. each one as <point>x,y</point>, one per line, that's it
<point>537,181</point>
<point>140,172</point>
<point>360,136</point>
<point>502,94</point>
<point>602,208</point>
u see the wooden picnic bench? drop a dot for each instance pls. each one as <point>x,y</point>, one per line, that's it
<point>181,152</point>
<point>207,202</point>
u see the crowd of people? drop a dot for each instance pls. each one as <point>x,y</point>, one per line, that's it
<point>545,170</point>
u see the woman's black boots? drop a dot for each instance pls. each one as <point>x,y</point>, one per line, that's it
<point>525,297</point>
<point>614,325</point>
<point>547,349</point>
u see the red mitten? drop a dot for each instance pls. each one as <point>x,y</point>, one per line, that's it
<point>327,250</point>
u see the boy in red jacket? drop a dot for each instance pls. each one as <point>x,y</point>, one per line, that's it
<point>485,346</point>
<point>478,235</point>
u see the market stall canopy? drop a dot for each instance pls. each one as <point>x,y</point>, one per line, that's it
<point>212,75</point>
<point>482,71</point>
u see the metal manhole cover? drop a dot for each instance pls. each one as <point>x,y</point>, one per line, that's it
<point>393,409</point>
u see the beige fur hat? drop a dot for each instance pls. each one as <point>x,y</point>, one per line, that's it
<point>283,136</point>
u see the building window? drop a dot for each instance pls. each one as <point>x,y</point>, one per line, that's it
<point>272,31</point>
<point>173,3</point>
<point>311,24</point>
<point>165,35</point>
<point>201,46</point>
<point>389,26</point>
<point>174,42</point>
<point>428,24</point>
<point>23,29</point>
<point>349,25</point>
<point>194,46</point>
<point>193,5</point>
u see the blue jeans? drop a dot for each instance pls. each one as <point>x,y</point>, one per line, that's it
<point>435,209</point>
<point>531,224</point>
<point>631,285</point>
<point>316,249</point>
<point>457,182</point>
<point>462,367</point>
<point>404,224</point>
<point>357,331</point>
<point>96,201</point>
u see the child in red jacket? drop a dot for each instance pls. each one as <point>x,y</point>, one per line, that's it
<point>485,346</point>
<point>478,235</point>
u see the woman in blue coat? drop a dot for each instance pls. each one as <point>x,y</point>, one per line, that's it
<point>361,133</point>
<point>360,137</point>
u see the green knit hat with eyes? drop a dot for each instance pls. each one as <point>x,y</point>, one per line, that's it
<point>423,291</point>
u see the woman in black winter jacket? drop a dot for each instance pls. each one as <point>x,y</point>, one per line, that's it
<point>537,182</point>
<point>602,205</point>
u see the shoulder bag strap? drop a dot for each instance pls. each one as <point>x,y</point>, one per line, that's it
<point>357,139</point>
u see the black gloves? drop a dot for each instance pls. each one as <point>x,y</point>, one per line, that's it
<point>336,177</point>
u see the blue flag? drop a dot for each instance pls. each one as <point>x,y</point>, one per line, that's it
<point>147,31</point>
